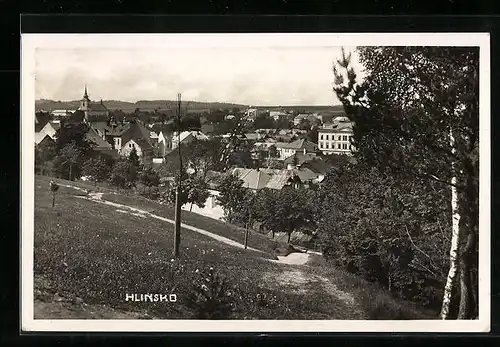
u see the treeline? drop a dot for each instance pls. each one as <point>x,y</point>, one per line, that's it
<point>407,214</point>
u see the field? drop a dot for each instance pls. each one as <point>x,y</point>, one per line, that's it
<point>89,254</point>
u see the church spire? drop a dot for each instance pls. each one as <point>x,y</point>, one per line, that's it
<point>85,95</point>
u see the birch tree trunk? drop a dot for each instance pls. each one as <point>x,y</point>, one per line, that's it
<point>468,254</point>
<point>455,236</point>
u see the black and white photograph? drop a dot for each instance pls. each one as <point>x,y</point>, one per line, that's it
<point>256,182</point>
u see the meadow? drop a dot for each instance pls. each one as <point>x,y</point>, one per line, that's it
<point>98,254</point>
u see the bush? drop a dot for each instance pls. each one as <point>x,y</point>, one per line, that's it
<point>211,297</point>
<point>387,231</point>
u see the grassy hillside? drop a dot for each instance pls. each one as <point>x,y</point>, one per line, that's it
<point>98,253</point>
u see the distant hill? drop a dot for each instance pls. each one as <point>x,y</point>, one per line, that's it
<point>143,105</point>
<point>306,108</point>
<point>192,106</point>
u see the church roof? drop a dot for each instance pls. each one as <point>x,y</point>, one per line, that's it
<point>97,106</point>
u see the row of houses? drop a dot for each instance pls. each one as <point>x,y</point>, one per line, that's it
<point>122,137</point>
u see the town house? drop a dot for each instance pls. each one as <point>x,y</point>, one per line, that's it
<point>335,138</point>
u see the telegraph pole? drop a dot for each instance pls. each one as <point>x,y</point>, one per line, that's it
<point>177,229</point>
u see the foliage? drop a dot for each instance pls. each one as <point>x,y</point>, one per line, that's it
<point>133,158</point>
<point>123,174</point>
<point>284,210</point>
<point>232,196</point>
<point>149,177</point>
<point>194,190</point>
<point>114,253</point>
<point>75,133</point>
<point>71,150</point>
<point>305,124</point>
<point>210,296</point>
<point>387,231</point>
<point>67,162</point>
<point>44,154</point>
<point>97,168</point>
<point>263,121</point>
<point>241,156</point>
<point>312,134</point>
<point>416,115</point>
<point>200,156</point>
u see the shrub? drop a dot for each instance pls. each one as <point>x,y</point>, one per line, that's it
<point>210,297</point>
<point>387,231</point>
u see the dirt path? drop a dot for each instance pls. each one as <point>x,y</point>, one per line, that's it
<point>97,197</point>
<point>301,281</point>
<point>296,278</point>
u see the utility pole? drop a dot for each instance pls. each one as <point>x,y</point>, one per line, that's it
<point>177,229</point>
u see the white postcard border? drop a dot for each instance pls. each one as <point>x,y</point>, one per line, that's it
<point>29,44</point>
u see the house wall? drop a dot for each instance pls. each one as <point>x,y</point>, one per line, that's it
<point>117,141</point>
<point>164,144</point>
<point>128,147</point>
<point>48,129</point>
<point>285,152</point>
<point>335,142</point>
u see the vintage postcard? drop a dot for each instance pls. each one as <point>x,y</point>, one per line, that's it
<point>256,182</point>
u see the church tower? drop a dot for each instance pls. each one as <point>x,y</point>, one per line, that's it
<point>85,103</point>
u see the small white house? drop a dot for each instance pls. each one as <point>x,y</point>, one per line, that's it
<point>212,209</point>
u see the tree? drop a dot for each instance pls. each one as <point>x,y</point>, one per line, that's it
<point>149,178</point>
<point>44,153</point>
<point>263,121</point>
<point>396,230</point>
<point>193,191</point>
<point>68,162</point>
<point>75,133</point>
<point>305,124</point>
<point>232,195</point>
<point>123,174</point>
<point>71,149</point>
<point>133,158</point>
<point>283,211</point>
<point>273,152</point>
<point>242,155</point>
<point>97,168</point>
<point>312,135</point>
<point>416,115</point>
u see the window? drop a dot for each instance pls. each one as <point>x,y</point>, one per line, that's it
<point>327,137</point>
<point>327,145</point>
<point>129,145</point>
<point>321,145</point>
<point>345,138</point>
<point>338,146</point>
<point>321,137</point>
<point>344,146</point>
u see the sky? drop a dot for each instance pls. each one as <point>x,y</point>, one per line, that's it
<point>245,75</point>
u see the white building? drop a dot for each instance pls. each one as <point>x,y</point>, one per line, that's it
<point>187,137</point>
<point>286,149</point>
<point>336,138</point>
<point>276,115</point>
<point>62,113</point>
<point>50,129</point>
